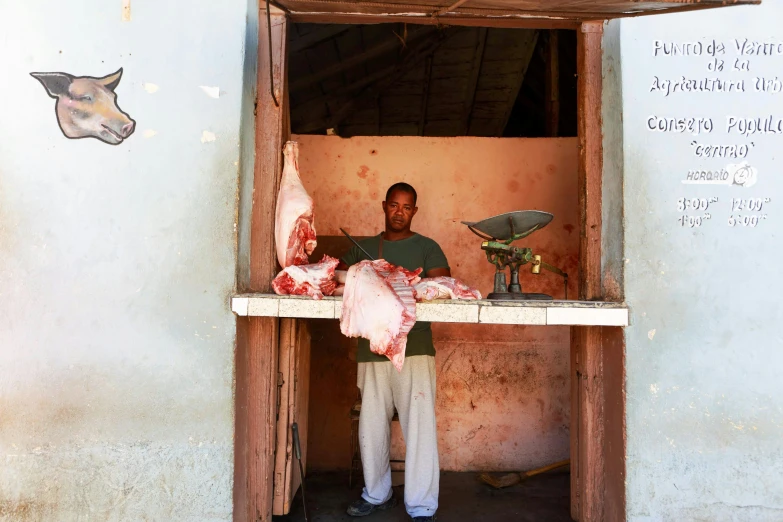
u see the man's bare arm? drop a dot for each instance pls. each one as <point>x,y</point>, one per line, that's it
<point>439,272</point>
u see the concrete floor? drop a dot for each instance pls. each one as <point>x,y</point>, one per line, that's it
<point>543,498</point>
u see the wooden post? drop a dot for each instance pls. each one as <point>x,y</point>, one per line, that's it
<point>587,492</point>
<point>257,337</point>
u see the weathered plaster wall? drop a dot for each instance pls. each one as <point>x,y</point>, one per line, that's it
<point>704,394</point>
<point>116,265</point>
<point>503,392</point>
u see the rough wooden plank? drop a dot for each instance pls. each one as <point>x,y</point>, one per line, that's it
<point>262,333</point>
<point>591,401</point>
<point>591,425</point>
<point>575,385</point>
<point>285,367</point>
<point>590,157</point>
<point>613,351</point>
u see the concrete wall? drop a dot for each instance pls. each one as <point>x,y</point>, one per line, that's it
<point>116,265</point>
<point>503,392</point>
<point>704,392</point>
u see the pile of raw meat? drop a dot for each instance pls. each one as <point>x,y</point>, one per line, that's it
<point>379,305</point>
<point>379,299</point>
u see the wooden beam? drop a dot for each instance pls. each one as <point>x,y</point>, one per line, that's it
<point>552,81</point>
<point>588,374</point>
<point>317,36</point>
<point>386,46</point>
<point>475,73</point>
<point>510,22</point>
<point>425,95</point>
<point>257,338</point>
<point>524,64</point>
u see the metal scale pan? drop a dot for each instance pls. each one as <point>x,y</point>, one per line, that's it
<point>510,226</point>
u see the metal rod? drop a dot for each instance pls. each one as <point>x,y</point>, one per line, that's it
<point>271,78</point>
<point>357,244</point>
<point>298,452</point>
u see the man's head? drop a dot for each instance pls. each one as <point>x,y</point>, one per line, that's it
<point>400,207</point>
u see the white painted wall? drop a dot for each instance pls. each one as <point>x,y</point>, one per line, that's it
<point>117,263</point>
<point>704,351</point>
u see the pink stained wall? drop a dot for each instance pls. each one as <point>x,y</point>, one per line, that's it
<point>503,391</point>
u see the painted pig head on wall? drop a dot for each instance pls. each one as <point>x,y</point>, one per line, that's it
<point>87,107</point>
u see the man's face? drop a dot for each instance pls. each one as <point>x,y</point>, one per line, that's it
<point>399,210</point>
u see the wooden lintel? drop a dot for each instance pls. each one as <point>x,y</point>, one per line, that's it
<point>509,22</point>
<point>475,73</point>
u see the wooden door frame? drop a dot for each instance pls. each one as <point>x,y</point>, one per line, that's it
<point>257,337</point>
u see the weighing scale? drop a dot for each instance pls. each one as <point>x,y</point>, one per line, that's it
<point>499,232</point>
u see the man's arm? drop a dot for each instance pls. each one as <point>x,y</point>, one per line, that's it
<point>439,272</point>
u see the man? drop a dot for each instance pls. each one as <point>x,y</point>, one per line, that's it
<point>412,390</point>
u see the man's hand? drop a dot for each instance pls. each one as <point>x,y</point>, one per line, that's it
<point>439,272</point>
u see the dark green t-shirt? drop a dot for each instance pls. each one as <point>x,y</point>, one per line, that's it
<point>414,252</point>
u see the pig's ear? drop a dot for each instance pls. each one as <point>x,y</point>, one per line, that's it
<point>55,83</point>
<point>111,81</point>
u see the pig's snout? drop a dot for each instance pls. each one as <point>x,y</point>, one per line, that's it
<point>127,129</point>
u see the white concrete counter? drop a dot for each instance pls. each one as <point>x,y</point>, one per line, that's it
<point>585,313</point>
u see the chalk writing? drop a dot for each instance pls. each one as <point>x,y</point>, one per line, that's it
<point>695,203</point>
<point>693,221</point>
<point>721,151</point>
<point>732,70</point>
<point>751,126</point>
<point>693,126</point>
<point>752,204</point>
<point>688,85</point>
<point>712,48</point>
<point>746,220</point>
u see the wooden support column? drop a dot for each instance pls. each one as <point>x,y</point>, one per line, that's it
<point>587,416</point>
<point>257,337</point>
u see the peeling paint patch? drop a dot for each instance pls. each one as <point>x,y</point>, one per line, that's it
<point>654,389</point>
<point>126,12</point>
<point>651,334</point>
<point>212,92</point>
<point>150,87</point>
<point>150,133</point>
<point>207,136</point>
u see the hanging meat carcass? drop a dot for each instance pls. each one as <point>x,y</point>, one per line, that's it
<point>431,288</point>
<point>315,280</point>
<point>294,220</point>
<point>379,305</point>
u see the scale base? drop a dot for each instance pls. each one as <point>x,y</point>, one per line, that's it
<point>518,296</point>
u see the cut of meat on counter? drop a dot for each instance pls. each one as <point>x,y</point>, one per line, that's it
<point>429,289</point>
<point>294,219</point>
<point>315,280</point>
<point>378,304</point>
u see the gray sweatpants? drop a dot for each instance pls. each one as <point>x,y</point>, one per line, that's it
<point>412,392</point>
